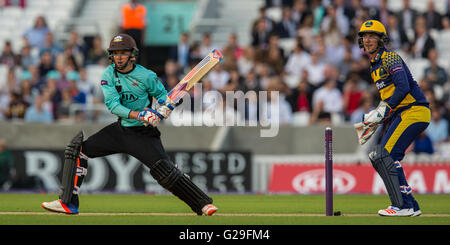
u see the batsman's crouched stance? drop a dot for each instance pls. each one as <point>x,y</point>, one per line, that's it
<point>403,111</point>
<point>128,89</point>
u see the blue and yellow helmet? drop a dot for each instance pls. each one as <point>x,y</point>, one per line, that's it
<point>373,26</point>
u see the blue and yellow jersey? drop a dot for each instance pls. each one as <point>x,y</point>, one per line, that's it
<point>395,82</point>
<point>132,91</point>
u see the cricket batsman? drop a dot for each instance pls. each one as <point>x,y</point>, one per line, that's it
<point>403,111</point>
<point>128,89</point>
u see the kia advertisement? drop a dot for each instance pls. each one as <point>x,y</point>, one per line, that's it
<point>361,178</point>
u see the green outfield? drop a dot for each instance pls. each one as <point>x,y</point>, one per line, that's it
<point>144,209</point>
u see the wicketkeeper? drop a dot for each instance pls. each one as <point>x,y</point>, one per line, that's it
<point>128,89</point>
<point>404,103</point>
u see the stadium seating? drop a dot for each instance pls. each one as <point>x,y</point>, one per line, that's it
<point>14,20</point>
<point>443,46</point>
<point>90,17</point>
<point>94,73</point>
<point>3,76</point>
<point>300,118</point>
<point>274,13</point>
<point>417,67</point>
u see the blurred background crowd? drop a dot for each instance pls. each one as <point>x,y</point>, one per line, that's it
<point>305,49</point>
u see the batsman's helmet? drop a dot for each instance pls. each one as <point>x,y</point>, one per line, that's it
<point>122,42</point>
<point>373,26</point>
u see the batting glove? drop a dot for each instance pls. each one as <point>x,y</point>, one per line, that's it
<point>165,108</point>
<point>149,117</point>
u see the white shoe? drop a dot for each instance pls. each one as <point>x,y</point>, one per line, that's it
<point>416,213</point>
<point>59,207</point>
<point>209,210</point>
<point>394,211</point>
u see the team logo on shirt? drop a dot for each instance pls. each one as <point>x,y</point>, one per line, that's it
<point>382,73</point>
<point>380,85</point>
<point>117,39</point>
<point>127,96</point>
<point>379,74</point>
<point>135,83</point>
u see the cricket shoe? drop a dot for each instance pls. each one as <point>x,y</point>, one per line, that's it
<point>392,211</point>
<point>59,207</point>
<point>209,210</point>
<point>416,213</point>
<point>416,207</point>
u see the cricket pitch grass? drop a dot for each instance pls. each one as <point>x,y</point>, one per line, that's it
<point>146,209</point>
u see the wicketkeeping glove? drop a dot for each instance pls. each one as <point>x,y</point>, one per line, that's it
<point>364,132</point>
<point>378,115</point>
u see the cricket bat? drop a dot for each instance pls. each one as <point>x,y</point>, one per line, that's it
<point>194,76</point>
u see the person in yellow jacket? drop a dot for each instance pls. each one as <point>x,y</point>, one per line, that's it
<point>403,111</point>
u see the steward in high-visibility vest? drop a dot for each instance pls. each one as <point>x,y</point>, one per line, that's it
<point>133,16</point>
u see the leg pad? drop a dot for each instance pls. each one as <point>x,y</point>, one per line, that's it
<point>71,155</point>
<point>385,166</point>
<point>172,179</point>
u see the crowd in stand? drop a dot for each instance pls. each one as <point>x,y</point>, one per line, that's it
<point>46,77</point>
<point>323,79</point>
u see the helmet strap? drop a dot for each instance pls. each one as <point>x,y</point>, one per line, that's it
<point>117,67</point>
<point>381,42</point>
<point>132,55</point>
<point>122,66</point>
